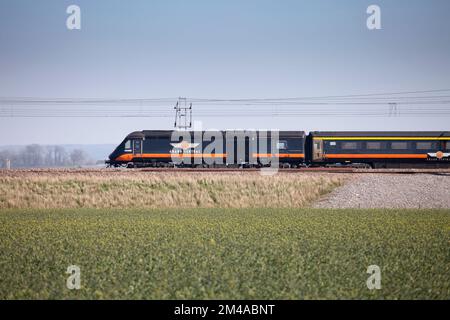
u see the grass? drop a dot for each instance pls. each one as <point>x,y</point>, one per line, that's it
<point>224,253</point>
<point>129,189</point>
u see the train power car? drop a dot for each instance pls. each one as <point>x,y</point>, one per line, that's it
<point>151,148</point>
<point>380,149</point>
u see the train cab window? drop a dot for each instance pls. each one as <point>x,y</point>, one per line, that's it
<point>282,145</point>
<point>373,145</point>
<point>424,145</point>
<point>448,145</point>
<point>399,145</point>
<point>127,147</point>
<point>349,145</point>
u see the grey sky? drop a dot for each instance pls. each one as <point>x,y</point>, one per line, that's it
<point>217,49</point>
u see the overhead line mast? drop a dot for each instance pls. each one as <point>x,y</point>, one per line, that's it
<point>183,114</point>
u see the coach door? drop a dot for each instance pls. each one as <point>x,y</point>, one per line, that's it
<point>137,146</point>
<point>317,149</point>
<point>445,146</point>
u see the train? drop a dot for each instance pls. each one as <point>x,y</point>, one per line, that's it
<point>290,149</point>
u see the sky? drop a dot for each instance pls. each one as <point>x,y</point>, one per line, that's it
<point>217,49</point>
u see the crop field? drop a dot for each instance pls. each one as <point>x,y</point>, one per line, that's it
<point>129,189</point>
<point>216,253</point>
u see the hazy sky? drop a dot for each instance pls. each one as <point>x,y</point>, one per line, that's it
<point>217,49</point>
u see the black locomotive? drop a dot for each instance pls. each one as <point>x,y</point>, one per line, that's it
<point>151,148</point>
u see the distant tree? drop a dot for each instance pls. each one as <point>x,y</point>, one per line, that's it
<point>6,155</point>
<point>78,157</point>
<point>48,157</point>
<point>33,155</point>
<point>60,156</point>
<point>44,156</point>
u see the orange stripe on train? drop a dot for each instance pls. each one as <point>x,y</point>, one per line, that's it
<point>279,155</point>
<point>129,157</point>
<point>375,156</point>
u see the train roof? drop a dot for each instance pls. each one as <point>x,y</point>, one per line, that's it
<point>166,133</point>
<point>381,133</point>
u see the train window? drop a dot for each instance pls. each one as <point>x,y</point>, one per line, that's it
<point>317,145</point>
<point>373,145</point>
<point>399,145</point>
<point>424,145</point>
<point>448,145</point>
<point>128,145</point>
<point>349,145</point>
<point>331,144</point>
<point>282,145</point>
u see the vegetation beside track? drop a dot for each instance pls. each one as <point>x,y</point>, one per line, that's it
<point>137,189</point>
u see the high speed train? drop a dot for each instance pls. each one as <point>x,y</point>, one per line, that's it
<point>291,149</point>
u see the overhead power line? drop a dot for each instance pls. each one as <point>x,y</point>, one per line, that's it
<point>407,103</point>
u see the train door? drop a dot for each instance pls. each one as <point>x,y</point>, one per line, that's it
<point>239,149</point>
<point>444,145</point>
<point>317,150</point>
<point>247,150</point>
<point>137,147</point>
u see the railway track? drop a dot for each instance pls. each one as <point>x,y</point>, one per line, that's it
<point>238,170</point>
<point>304,170</point>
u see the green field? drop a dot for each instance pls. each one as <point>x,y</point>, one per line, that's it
<point>224,253</point>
